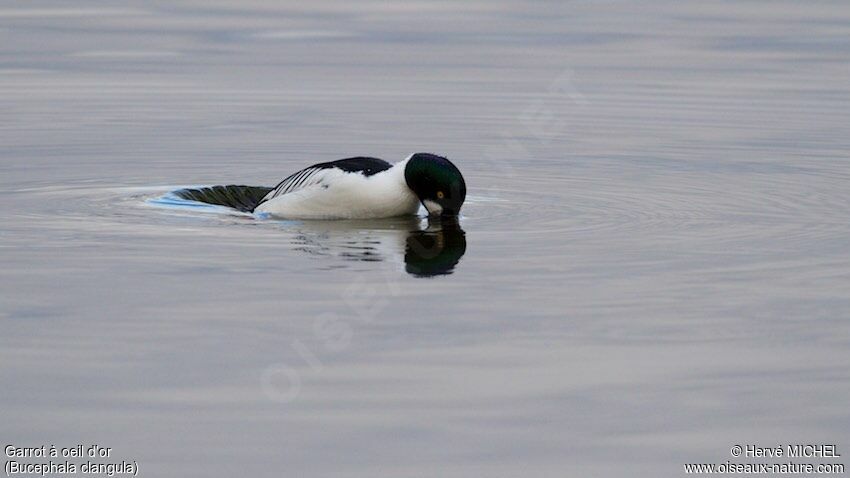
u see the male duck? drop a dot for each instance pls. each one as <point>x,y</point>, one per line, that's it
<point>352,188</point>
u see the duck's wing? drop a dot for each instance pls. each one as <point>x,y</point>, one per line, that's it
<point>322,173</point>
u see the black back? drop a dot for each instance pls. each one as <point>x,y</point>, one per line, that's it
<point>361,164</point>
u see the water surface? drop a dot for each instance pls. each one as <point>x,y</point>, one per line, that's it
<point>654,263</point>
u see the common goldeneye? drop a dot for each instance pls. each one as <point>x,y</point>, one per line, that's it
<point>351,188</point>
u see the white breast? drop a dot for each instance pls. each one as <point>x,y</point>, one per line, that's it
<point>336,194</point>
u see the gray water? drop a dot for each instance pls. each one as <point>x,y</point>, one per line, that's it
<point>654,262</point>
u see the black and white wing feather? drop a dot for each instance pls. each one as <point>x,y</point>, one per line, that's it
<point>320,174</point>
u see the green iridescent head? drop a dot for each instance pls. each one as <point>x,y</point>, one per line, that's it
<point>437,182</point>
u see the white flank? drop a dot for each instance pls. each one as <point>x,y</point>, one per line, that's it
<point>341,195</point>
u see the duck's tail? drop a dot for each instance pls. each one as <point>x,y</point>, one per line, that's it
<point>241,198</point>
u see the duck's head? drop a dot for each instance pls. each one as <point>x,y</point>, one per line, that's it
<point>437,182</point>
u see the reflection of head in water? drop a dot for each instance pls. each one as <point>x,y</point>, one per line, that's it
<point>429,251</point>
<point>435,250</point>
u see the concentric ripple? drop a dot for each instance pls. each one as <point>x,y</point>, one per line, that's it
<point>694,206</point>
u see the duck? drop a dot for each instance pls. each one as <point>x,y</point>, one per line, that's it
<point>359,187</point>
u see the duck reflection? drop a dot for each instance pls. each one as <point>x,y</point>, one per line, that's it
<point>429,248</point>
<point>435,250</point>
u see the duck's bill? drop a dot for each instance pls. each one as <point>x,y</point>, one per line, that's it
<point>432,207</point>
<point>435,209</point>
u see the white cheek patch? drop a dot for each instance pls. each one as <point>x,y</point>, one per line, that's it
<point>432,207</point>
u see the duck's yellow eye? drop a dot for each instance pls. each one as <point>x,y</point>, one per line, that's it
<point>440,195</point>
